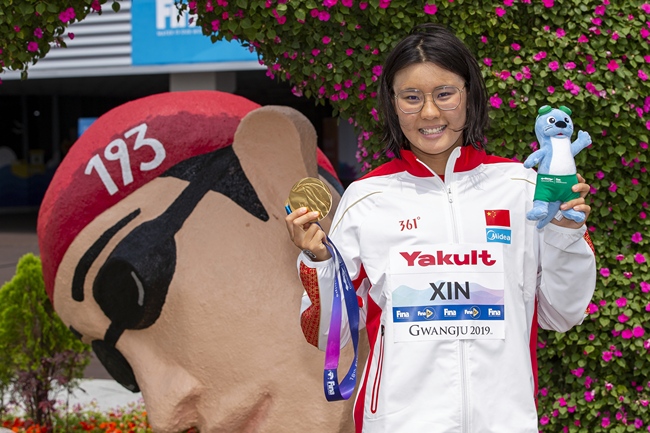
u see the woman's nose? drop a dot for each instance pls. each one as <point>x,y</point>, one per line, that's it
<point>429,109</point>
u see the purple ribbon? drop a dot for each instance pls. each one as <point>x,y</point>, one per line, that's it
<point>333,389</point>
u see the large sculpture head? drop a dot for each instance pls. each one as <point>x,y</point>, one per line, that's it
<point>164,246</point>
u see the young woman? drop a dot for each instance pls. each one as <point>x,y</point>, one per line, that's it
<point>451,278</point>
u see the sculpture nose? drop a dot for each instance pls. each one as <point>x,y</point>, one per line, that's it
<point>560,124</point>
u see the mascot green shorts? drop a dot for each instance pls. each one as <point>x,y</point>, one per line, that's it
<point>555,188</point>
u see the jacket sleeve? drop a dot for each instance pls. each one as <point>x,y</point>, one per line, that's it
<point>318,279</point>
<point>566,277</point>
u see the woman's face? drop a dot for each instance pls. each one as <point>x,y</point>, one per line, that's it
<point>432,133</point>
<point>226,353</point>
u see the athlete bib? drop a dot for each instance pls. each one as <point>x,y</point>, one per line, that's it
<point>447,292</point>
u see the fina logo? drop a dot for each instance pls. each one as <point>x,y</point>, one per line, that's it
<point>168,22</point>
<point>498,235</point>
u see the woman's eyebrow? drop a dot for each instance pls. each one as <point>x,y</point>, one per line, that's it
<point>93,252</point>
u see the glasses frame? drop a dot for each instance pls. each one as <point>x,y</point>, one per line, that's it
<point>460,91</point>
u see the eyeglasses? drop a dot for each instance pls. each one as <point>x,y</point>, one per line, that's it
<point>132,284</point>
<point>446,98</point>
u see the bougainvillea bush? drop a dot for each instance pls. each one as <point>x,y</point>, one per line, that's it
<point>590,55</point>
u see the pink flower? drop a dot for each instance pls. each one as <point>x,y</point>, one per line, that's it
<point>590,69</point>
<point>569,66</point>
<point>544,420</point>
<point>646,8</point>
<point>607,356</point>
<point>67,15</point>
<point>383,4</point>
<point>548,3</point>
<point>347,3</point>
<point>485,41</point>
<point>327,40</point>
<point>281,19</point>
<point>615,36</point>
<point>578,372</point>
<point>32,46</point>
<point>373,112</point>
<point>626,334</point>
<point>623,318</point>
<point>500,12</point>
<point>550,89</point>
<point>592,308</point>
<point>515,46</point>
<point>38,32</point>
<point>539,56</point>
<point>508,2</point>
<point>605,422</point>
<point>596,22</point>
<point>504,75</point>
<point>363,5</point>
<point>612,65</point>
<point>96,6</point>
<point>376,70</point>
<point>560,33</point>
<point>642,75</point>
<point>621,302</point>
<point>512,103</point>
<point>603,271</point>
<point>430,9</point>
<point>612,187</point>
<point>589,395</point>
<point>487,61</point>
<point>315,52</point>
<point>637,237</point>
<point>582,39</point>
<point>638,332</point>
<point>600,10</point>
<point>71,35</point>
<point>329,3</point>
<point>495,101</point>
<point>215,25</point>
<point>639,258</point>
<point>645,287</point>
<point>323,16</point>
<point>644,33</point>
<point>349,52</point>
<point>553,66</point>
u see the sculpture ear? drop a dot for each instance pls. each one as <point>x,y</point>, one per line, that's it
<point>544,109</point>
<point>567,110</point>
<point>276,146</point>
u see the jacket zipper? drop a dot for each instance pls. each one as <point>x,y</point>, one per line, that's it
<point>462,344</point>
<point>374,398</point>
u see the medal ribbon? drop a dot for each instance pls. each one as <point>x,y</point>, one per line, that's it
<point>333,390</point>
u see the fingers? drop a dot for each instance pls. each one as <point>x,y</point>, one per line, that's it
<point>305,234</point>
<point>579,204</point>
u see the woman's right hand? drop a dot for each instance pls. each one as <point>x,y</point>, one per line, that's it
<point>307,235</point>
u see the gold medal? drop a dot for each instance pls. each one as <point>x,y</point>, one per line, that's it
<point>313,194</point>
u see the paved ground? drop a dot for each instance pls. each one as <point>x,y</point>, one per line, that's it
<point>17,238</point>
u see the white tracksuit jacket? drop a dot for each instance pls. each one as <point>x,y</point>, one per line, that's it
<point>452,280</point>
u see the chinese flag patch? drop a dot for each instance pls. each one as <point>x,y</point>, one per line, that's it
<point>497,217</point>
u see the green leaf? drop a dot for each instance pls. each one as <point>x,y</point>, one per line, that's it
<point>116,6</point>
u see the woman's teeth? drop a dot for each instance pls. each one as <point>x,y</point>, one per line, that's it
<point>432,130</point>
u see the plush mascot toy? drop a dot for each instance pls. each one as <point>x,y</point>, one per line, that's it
<point>556,173</point>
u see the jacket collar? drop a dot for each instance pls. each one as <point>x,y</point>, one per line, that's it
<point>469,159</point>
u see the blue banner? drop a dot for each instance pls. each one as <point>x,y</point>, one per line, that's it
<point>159,38</point>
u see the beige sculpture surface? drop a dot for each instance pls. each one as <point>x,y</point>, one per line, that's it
<point>181,274</point>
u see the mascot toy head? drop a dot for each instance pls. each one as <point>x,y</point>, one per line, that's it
<point>164,246</point>
<point>556,172</point>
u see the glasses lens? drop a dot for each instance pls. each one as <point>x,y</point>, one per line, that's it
<point>410,101</point>
<point>447,98</point>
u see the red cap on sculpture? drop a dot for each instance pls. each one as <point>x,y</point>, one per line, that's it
<point>123,150</point>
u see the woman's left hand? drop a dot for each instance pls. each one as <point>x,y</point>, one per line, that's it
<point>577,204</point>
